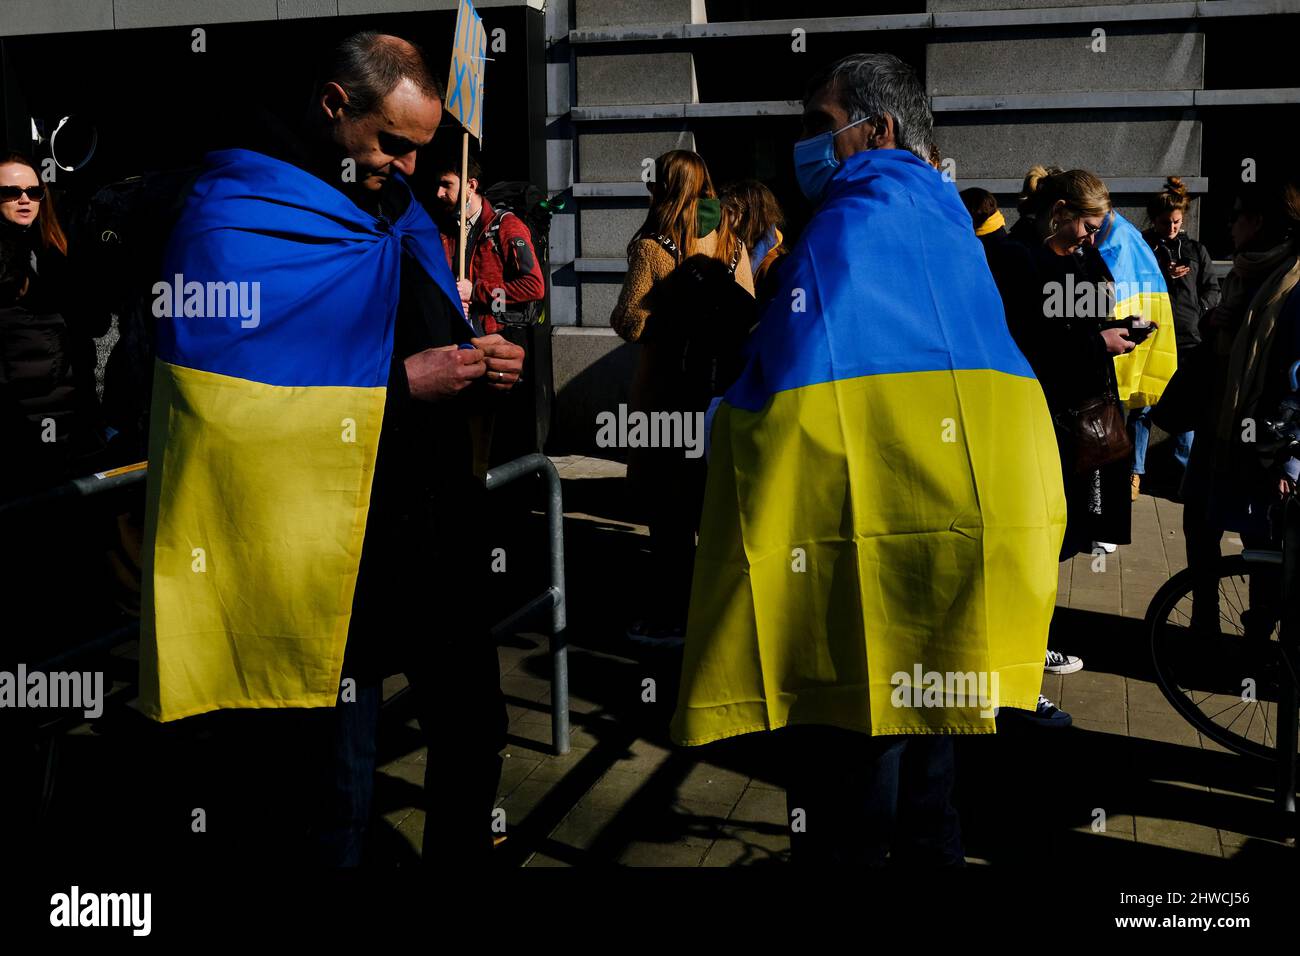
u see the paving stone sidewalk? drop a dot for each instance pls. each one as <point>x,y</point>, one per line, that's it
<point>624,794</point>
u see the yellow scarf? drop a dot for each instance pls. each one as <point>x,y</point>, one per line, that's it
<point>991,224</point>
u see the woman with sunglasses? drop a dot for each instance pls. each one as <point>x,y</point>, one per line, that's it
<point>28,218</point>
<point>37,246</point>
<point>1052,280</point>
<point>27,215</point>
<point>1056,309</point>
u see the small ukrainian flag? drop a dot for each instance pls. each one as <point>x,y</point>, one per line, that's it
<point>1140,290</point>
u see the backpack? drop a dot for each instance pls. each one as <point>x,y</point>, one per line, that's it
<point>121,237</point>
<point>720,317</point>
<point>529,204</point>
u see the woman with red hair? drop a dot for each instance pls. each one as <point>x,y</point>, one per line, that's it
<point>680,263</point>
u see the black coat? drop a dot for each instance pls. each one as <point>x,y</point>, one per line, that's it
<point>39,385</point>
<point>1069,358</point>
<point>55,287</point>
<point>425,551</point>
<point>1195,293</point>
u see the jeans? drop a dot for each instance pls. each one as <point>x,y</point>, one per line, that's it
<point>349,789</point>
<point>1140,421</point>
<point>864,798</point>
<point>462,717</point>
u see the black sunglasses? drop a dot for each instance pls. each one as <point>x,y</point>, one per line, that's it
<point>34,193</point>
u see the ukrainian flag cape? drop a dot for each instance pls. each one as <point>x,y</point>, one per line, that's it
<point>264,433</point>
<point>1139,290</point>
<point>884,507</point>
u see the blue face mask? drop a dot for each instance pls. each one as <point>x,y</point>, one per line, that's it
<point>815,162</point>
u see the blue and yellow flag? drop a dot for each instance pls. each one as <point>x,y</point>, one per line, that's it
<point>884,507</point>
<point>1140,290</point>
<point>275,336</point>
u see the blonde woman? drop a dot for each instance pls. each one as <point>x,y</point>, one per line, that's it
<point>682,262</point>
<point>1053,249</point>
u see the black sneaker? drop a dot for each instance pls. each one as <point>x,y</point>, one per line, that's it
<point>656,635</point>
<point>1046,714</point>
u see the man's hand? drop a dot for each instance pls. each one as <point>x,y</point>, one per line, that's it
<point>442,373</point>
<point>505,360</point>
<point>1117,341</point>
<point>466,289</point>
<point>1177,271</point>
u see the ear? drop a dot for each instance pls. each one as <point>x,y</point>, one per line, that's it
<point>882,137</point>
<point>472,185</point>
<point>332,100</point>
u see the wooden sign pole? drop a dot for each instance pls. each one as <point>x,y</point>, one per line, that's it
<point>464,182</point>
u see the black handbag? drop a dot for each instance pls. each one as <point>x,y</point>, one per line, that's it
<point>1095,433</point>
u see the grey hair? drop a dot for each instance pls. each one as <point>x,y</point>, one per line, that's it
<point>872,84</point>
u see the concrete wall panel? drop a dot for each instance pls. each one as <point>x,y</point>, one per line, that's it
<point>1061,60</point>
<point>620,79</point>
<point>616,156</point>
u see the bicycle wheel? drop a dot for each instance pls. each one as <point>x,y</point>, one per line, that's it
<point>1218,661</point>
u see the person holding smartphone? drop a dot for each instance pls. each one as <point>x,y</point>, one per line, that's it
<point>1193,291</point>
<point>1051,248</point>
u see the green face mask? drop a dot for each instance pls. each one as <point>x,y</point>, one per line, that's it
<point>708,214</point>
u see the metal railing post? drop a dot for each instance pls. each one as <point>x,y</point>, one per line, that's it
<point>554,595</point>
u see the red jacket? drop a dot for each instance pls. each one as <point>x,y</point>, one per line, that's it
<point>509,263</point>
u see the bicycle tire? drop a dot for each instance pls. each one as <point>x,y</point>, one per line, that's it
<point>1165,601</point>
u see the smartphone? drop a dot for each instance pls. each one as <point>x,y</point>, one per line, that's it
<point>1140,333</point>
<point>1137,334</point>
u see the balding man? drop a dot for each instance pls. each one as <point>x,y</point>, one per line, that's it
<point>339,438</point>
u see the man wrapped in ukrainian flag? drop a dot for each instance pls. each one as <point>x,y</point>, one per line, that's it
<point>312,504</point>
<point>877,561</point>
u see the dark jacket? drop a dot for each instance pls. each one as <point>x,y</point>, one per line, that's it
<point>1002,253</point>
<point>56,287</point>
<point>1066,352</point>
<point>41,397</point>
<point>1195,293</point>
<point>423,531</point>
<point>1070,360</point>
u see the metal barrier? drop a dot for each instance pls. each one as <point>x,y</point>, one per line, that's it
<point>551,599</point>
<point>553,596</point>
<point>103,482</point>
<point>96,484</point>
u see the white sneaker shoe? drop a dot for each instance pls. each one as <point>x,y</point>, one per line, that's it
<point>1104,546</point>
<point>1058,663</point>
